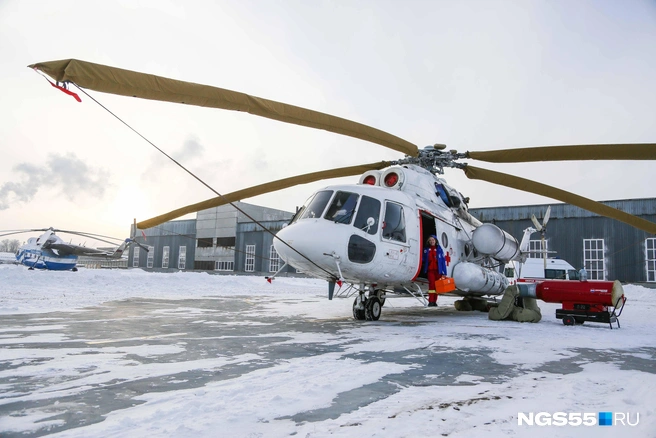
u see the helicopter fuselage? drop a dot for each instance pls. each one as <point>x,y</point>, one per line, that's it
<point>34,255</point>
<point>373,233</point>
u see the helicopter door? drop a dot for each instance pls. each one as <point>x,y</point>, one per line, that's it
<point>427,229</point>
<point>395,239</point>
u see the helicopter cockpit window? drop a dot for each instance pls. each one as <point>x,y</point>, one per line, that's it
<point>441,192</point>
<point>317,205</point>
<point>394,223</point>
<point>342,209</point>
<point>369,209</point>
<point>299,213</point>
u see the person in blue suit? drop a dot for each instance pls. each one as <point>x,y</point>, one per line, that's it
<point>434,266</point>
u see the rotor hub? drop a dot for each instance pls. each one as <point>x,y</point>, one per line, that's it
<point>434,159</point>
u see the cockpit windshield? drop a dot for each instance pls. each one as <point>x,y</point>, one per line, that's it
<point>317,205</point>
<point>342,208</point>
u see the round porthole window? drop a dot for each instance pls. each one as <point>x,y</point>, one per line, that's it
<point>445,240</point>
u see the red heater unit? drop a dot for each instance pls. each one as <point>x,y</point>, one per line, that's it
<point>595,301</point>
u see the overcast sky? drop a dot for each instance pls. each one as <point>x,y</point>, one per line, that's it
<point>476,75</point>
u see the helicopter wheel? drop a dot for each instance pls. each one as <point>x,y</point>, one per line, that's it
<point>358,314</point>
<point>380,294</point>
<point>74,269</point>
<point>372,309</point>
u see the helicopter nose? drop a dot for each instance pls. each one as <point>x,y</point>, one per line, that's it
<point>311,245</point>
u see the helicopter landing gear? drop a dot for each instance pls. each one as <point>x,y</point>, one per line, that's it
<point>368,308</point>
<point>372,309</point>
<point>359,307</point>
<point>381,296</point>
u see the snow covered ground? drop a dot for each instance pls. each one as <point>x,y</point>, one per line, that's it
<point>545,367</point>
<point>7,257</point>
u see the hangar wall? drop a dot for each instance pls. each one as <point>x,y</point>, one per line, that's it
<point>615,249</point>
<point>215,241</point>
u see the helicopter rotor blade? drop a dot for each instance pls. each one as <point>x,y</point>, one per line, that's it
<point>262,189</point>
<point>55,230</point>
<point>526,185</point>
<point>114,80</point>
<point>536,223</point>
<point>11,232</point>
<point>140,245</point>
<point>90,235</point>
<point>622,151</point>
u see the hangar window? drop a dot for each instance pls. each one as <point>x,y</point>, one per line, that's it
<point>650,257</point>
<point>204,242</point>
<point>226,241</point>
<point>224,266</point>
<point>250,258</point>
<point>593,258</point>
<point>165,257</point>
<point>135,257</point>
<point>274,260</point>
<point>151,257</point>
<point>182,257</point>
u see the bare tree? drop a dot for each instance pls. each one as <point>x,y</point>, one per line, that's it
<point>7,245</point>
<point>14,244</point>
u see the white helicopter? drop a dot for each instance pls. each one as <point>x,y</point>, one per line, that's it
<point>370,235</point>
<point>50,252</point>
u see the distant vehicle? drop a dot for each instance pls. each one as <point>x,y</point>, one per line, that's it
<point>534,269</point>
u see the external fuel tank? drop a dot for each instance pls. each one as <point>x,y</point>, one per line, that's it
<point>488,239</point>
<point>470,277</point>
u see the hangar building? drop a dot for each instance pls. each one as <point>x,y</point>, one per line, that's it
<point>221,239</point>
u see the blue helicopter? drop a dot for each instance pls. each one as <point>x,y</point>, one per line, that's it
<point>50,252</point>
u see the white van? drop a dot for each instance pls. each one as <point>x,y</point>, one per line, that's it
<point>533,268</point>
